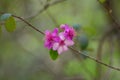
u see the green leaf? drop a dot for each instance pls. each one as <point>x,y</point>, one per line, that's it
<point>10,24</point>
<point>83,41</point>
<point>53,54</point>
<point>5,16</point>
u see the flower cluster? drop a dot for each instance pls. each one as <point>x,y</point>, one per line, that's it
<point>60,41</point>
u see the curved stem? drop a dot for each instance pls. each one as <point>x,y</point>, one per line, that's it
<point>78,52</point>
<point>99,53</point>
<point>29,24</point>
<point>46,6</point>
<point>108,10</point>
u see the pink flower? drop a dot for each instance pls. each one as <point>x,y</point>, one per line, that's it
<point>59,41</point>
<point>51,38</point>
<point>63,44</point>
<point>69,32</point>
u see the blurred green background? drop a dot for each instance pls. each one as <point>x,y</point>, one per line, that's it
<point>24,57</point>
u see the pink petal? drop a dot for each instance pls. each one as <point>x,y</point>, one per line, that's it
<point>55,30</point>
<point>61,35</point>
<point>55,46</point>
<point>65,48</point>
<point>69,42</point>
<point>64,26</point>
<point>60,50</point>
<point>48,44</point>
<point>47,32</point>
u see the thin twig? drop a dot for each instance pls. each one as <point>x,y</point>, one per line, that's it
<point>29,24</point>
<point>99,53</point>
<point>78,52</point>
<point>46,6</point>
<point>108,10</point>
<point>110,14</point>
<point>111,46</point>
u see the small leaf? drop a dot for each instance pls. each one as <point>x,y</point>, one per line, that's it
<point>5,16</point>
<point>53,54</point>
<point>10,24</point>
<point>83,41</point>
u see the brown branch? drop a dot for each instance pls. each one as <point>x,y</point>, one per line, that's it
<point>30,25</point>
<point>111,46</point>
<point>46,6</point>
<point>99,57</point>
<point>99,53</point>
<point>108,10</point>
<point>78,52</point>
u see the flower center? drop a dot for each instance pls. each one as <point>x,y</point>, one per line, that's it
<point>70,34</point>
<point>62,42</point>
